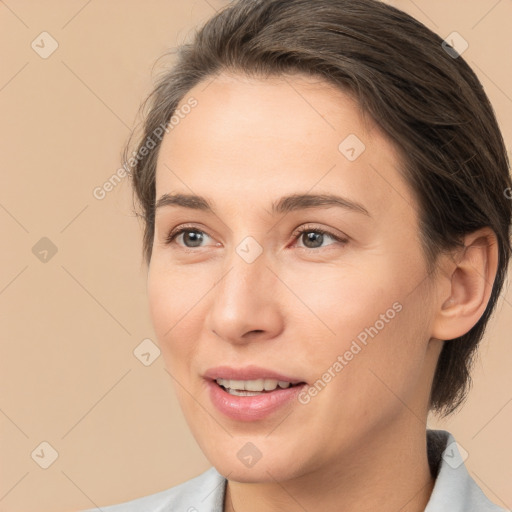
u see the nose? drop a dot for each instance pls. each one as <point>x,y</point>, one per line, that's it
<point>245,303</point>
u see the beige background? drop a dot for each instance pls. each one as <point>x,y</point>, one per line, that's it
<point>69,326</point>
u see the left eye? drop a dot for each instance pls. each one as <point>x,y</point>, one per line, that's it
<point>314,240</point>
<point>315,237</point>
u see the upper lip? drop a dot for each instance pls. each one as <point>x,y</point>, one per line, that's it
<point>250,372</point>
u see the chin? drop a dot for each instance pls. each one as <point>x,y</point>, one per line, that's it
<point>261,471</point>
<point>251,475</point>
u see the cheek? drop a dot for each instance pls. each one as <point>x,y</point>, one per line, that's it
<point>368,316</point>
<point>175,307</point>
<point>342,301</point>
<point>173,293</point>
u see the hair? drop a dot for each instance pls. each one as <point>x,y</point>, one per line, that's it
<point>421,94</point>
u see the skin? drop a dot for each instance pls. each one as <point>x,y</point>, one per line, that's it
<point>360,443</point>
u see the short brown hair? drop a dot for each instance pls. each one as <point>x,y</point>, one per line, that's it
<point>426,99</point>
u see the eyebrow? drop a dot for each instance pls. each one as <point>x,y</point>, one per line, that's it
<point>285,204</point>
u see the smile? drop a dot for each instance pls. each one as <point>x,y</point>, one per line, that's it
<point>252,387</point>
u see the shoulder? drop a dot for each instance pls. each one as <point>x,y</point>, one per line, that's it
<point>454,489</point>
<point>204,493</point>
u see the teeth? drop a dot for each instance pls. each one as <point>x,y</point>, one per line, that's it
<point>242,393</point>
<point>270,384</point>
<point>256,386</point>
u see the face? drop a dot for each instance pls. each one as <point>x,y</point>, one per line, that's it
<point>332,296</point>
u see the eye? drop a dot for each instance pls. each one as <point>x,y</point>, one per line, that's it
<point>192,236</point>
<point>316,236</point>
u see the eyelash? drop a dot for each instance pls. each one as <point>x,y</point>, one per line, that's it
<point>297,234</point>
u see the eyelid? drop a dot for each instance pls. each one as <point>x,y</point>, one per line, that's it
<point>304,228</point>
<point>296,234</point>
<point>174,233</point>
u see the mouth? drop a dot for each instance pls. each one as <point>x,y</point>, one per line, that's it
<point>254,387</point>
<point>251,393</point>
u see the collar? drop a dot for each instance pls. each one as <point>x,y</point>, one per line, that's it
<point>454,489</point>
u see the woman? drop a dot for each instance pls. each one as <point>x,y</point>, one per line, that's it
<point>327,234</point>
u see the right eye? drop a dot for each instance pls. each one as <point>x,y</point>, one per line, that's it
<point>192,236</point>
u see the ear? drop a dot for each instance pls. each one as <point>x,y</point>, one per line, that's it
<point>466,285</point>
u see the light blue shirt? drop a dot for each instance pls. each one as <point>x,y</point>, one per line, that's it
<point>454,489</point>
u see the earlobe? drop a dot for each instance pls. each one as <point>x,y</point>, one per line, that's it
<point>471,276</point>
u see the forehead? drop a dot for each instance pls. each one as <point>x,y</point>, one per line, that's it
<point>259,138</point>
<point>289,108</point>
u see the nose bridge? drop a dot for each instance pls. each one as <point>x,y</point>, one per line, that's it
<point>246,258</point>
<point>244,299</point>
<point>247,278</point>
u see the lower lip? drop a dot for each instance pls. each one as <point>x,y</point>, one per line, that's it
<point>251,408</point>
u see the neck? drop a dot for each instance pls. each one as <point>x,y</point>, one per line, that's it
<point>389,473</point>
